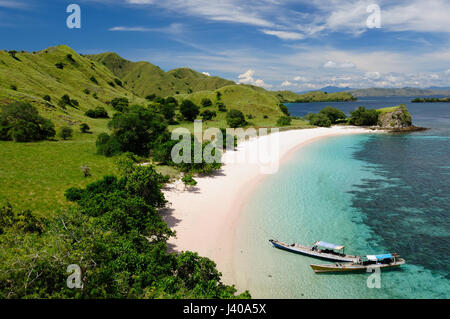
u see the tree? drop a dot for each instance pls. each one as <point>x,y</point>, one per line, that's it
<point>150,97</point>
<point>189,110</point>
<point>47,98</point>
<point>206,102</point>
<point>284,109</point>
<point>94,80</point>
<point>84,128</point>
<point>334,114</point>
<point>136,131</point>
<point>235,118</point>
<point>120,104</point>
<point>362,116</point>
<point>221,106</point>
<point>168,110</point>
<point>65,100</point>
<point>319,120</point>
<point>59,65</point>
<point>284,120</point>
<point>98,112</point>
<point>66,132</point>
<point>208,115</point>
<point>21,122</point>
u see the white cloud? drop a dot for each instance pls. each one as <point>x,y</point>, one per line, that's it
<point>174,28</point>
<point>206,73</point>
<point>333,65</point>
<point>284,35</point>
<point>12,4</point>
<point>300,79</point>
<point>373,75</point>
<point>247,78</point>
<point>286,83</point>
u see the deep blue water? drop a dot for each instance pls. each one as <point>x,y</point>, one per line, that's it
<point>374,193</point>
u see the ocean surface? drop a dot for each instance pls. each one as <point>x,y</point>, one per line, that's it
<point>373,193</point>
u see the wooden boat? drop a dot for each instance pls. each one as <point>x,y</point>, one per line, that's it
<point>320,249</point>
<point>385,261</point>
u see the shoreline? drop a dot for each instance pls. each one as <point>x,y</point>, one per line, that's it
<point>205,217</point>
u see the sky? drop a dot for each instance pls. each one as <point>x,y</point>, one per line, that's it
<point>296,45</point>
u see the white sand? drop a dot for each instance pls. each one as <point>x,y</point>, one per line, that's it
<point>204,217</point>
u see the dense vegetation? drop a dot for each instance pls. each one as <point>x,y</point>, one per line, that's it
<point>21,122</point>
<point>431,100</point>
<point>364,117</point>
<point>117,238</point>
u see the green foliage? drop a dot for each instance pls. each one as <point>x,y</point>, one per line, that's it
<point>13,87</point>
<point>319,120</point>
<point>334,114</point>
<point>66,132</point>
<point>221,106</point>
<point>23,221</point>
<point>431,100</point>
<point>284,109</point>
<point>206,102</point>
<point>60,65</point>
<point>98,112</point>
<point>47,98</point>
<point>188,180</point>
<point>364,117</point>
<point>208,115</point>
<point>21,122</point>
<point>136,131</point>
<point>84,128</point>
<point>150,97</point>
<point>284,120</point>
<point>66,100</point>
<point>93,79</point>
<point>235,118</point>
<point>189,110</point>
<point>120,104</point>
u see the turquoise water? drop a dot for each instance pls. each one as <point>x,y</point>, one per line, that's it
<point>374,193</point>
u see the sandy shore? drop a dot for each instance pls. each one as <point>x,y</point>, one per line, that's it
<point>204,217</point>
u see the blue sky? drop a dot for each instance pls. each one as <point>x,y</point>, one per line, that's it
<point>278,44</point>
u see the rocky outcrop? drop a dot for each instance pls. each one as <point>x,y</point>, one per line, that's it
<point>397,119</point>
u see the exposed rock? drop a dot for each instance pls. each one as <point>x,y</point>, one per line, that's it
<point>398,120</point>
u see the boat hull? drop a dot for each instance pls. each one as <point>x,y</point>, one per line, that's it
<point>354,268</point>
<point>306,251</point>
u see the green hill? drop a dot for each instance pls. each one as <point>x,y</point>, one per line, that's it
<point>31,76</point>
<point>313,96</point>
<point>144,78</point>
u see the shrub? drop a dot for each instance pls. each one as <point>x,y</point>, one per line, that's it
<point>93,79</point>
<point>188,180</point>
<point>206,102</point>
<point>250,116</point>
<point>334,114</point>
<point>235,118</point>
<point>284,120</point>
<point>84,128</point>
<point>189,110</point>
<point>70,58</point>
<point>66,132</point>
<point>284,109</point>
<point>120,104</point>
<point>13,87</point>
<point>21,122</point>
<point>221,106</point>
<point>319,120</point>
<point>265,116</point>
<point>118,82</point>
<point>363,116</point>
<point>65,100</point>
<point>208,115</point>
<point>59,65</point>
<point>47,98</point>
<point>150,97</point>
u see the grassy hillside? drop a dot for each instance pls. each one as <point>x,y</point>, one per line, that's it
<point>144,78</point>
<point>31,76</point>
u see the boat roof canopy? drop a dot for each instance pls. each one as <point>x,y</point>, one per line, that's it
<point>379,257</point>
<point>328,245</point>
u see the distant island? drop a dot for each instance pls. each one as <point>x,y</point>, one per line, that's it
<point>314,96</point>
<point>430,100</point>
<point>407,91</point>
